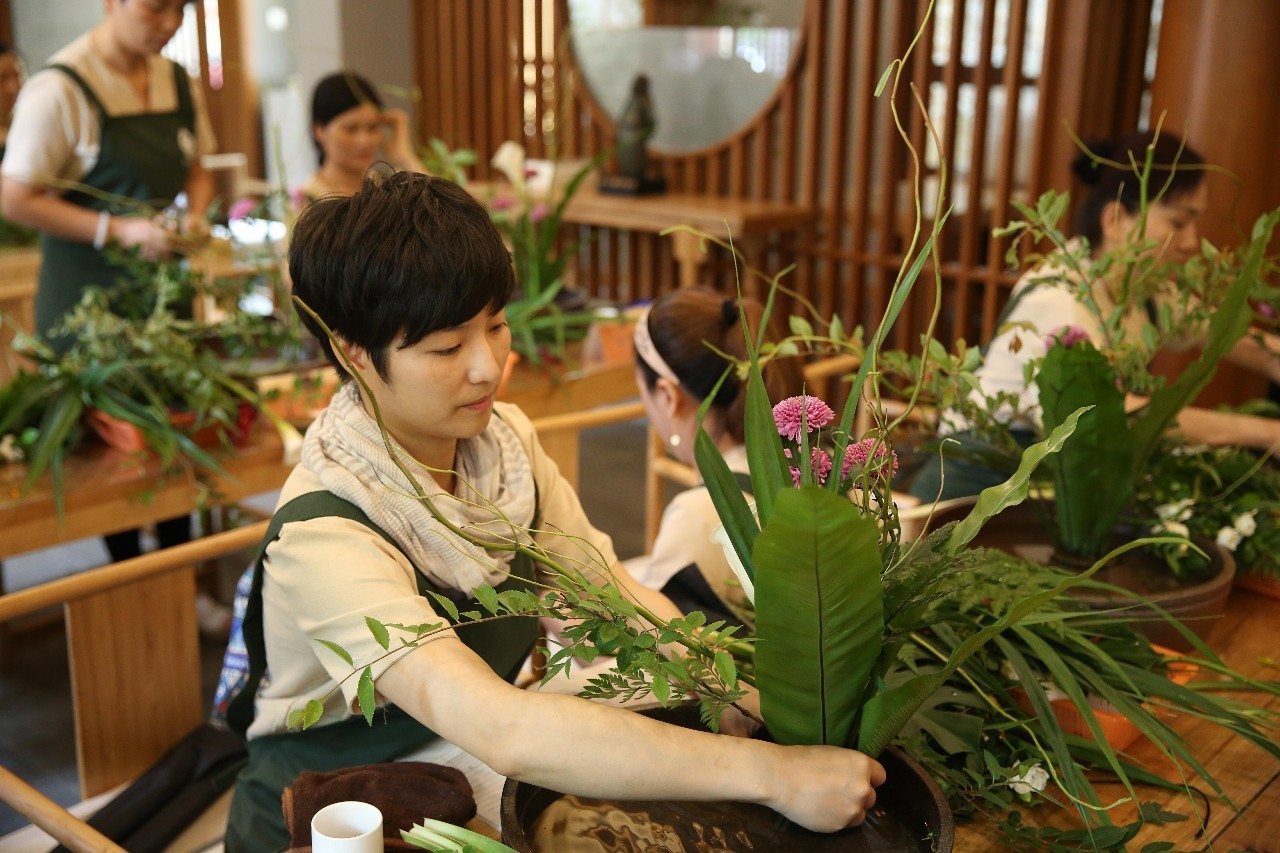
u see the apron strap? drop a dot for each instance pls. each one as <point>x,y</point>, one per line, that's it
<point>89,94</point>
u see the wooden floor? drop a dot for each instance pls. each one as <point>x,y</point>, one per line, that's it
<point>1248,640</point>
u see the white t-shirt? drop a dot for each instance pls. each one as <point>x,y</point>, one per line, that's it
<point>1045,306</point>
<point>324,576</point>
<point>55,130</point>
<point>684,537</point>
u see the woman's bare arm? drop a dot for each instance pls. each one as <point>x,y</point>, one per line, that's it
<point>580,747</point>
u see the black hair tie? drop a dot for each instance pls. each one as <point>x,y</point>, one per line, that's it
<point>729,311</point>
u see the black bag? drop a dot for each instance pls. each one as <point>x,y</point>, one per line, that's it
<point>172,793</point>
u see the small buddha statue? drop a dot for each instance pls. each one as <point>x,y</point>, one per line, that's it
<point>636,124</point>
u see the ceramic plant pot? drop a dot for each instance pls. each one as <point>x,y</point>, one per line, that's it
<point>1198,601</point>
<point>910,814</point>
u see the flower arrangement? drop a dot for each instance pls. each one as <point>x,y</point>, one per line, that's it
<point>1225,494</point>
<point>134,358</point>
<point>1095,476</point>
<point>542,316</point>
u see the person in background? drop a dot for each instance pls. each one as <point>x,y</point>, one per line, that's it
<point>412,277</point>
<point>109,132</point>
<point>1109,218</point>
<point>12,76</point>
<point>352,130</point>
<point>677,367</point>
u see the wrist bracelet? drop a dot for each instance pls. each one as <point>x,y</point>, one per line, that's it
<point>104,225</point>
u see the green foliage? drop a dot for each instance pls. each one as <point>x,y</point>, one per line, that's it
<point>138,368</point>
<point>438,159</point>
<point>1225,494</point>
<point>1090,482</point>
<point>819,616</point>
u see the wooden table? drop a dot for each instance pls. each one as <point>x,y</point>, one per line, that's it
<point>745,220</point>
<point>1246,639</point>
<point>107,491</point>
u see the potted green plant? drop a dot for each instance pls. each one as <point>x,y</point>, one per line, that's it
<point>1225,494</point>
<point>153,373</point>
<point>544,316</point>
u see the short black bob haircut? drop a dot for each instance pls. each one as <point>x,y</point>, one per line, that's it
<point>406,256</point>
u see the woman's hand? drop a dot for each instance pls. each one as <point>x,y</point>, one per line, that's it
<point>825,788</point>
<point>399,147</point>
<point>152,239</point>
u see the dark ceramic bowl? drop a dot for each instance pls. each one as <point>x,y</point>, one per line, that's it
<point>910,815</point>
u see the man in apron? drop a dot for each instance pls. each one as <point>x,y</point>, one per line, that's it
<point>107,133</point>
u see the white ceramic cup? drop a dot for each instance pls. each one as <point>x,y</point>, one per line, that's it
<point>347,827</point>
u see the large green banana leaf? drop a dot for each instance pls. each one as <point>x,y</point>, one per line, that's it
<point>1090,473</point>
<point>819,615</point>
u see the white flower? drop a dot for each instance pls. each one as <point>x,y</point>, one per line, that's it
<point>1229,538</point>
<point>509,160</point>
<point>720,537</point>
<point>9,449</point>
<point>1179,511</point>
<point>1033,779</point>
<point>1247,523</point>
<point>1173,528</point>
<point>1189,449</point>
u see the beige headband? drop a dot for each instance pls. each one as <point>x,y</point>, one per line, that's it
<point>648,352</point>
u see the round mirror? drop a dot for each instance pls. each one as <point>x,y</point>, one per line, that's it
<point>711,64</point>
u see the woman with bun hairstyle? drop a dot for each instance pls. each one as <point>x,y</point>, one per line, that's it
<point>1109,219</point>
<point>352,130</point>
<point>677,367</point>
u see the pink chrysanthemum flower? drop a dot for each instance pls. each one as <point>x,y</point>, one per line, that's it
<point>859,453</point>
<point>788,415</point>
<point>819,464</point>
<point>1068,336</point>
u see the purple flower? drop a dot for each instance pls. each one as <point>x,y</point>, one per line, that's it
<point>242,208</point>
<point>789,413</point>
<point>819,464</point>
<point>1266,310</point>
<point>859,453</point>
<point>502,202</point>
<point>1067,336</point>
<point>297,198</point>
<point>538,213</point>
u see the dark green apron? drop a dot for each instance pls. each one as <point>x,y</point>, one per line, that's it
<point>256,822</point>
<point>139,158</point>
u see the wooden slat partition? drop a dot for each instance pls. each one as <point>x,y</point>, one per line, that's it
<point>821,140</point>
<point>134,654</point>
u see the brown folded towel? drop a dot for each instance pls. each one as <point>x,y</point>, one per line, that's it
<point>404,791</point>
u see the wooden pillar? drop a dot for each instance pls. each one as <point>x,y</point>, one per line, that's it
<point>1215,79</point>
<point>1091,84</point>
<point>235,109</point>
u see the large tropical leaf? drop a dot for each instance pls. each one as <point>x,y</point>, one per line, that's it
<point>726,494</point>
<point>1089,484</point>
<point>819,615</point>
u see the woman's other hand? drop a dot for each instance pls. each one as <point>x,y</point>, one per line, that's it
<point>399,146</point>
<point>152,239</point>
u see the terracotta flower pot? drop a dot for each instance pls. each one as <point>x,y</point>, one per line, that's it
<point>1196,601</point>
<point>127,438</point>
<point>911,814</point>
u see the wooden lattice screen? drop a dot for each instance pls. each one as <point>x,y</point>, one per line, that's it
<point>493,70</point>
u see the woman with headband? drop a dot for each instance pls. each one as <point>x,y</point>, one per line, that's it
<point>677,367</point>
